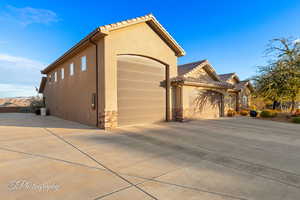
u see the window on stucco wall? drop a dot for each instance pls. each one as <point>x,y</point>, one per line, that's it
<point>62,72</point>
<point>71,69</point>
<point>83,63</point>
<point>55,76</point>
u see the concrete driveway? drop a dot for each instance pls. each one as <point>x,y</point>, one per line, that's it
<point>230,158</point>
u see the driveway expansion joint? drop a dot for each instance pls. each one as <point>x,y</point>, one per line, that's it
<point>102,165</point>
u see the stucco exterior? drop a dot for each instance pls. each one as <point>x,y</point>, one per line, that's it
<point>239,97</point>
<point>199,92</point>
<point>90,96</point>
<point>72,97</point>
<point>120,42</point>
<point>245,98</point>
<point>231,101</point>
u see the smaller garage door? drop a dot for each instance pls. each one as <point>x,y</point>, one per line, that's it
<point>231,101</point>
<point>205,104</point>
<point>141,91</point>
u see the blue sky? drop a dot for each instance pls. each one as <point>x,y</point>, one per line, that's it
<point>232,35</point>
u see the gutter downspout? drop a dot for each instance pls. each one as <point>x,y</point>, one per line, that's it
<point>97,82</point>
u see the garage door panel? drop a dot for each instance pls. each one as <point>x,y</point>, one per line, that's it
<point>142,71</point>
<point>128,75</point>
<point>127,102</point>
<point>143,120</point>
<point>135,84</point>
<point>141,97</point>
<point>140,66</point>
<point>141,110</point>
<point>138,93</point>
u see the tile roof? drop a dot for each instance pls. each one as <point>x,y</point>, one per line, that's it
<point>146,18</point>
<point>226,77</point>
<point>127,22</point>
<point>241,85</point>
<point>104,30</point>
<point>183,69</point>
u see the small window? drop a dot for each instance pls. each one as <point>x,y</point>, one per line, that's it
<point>55,76</point>
<point>71,69</point>
<point>83,63</point>
<point>62,72</point>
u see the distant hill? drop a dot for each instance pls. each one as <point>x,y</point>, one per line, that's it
<point>15,102</point>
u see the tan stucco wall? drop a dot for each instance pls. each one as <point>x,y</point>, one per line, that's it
<point>202,75</point>
<point>245,92</point>
<point>137,39</point>
<point>71,97</point>
<point>230,101</point>
<point>232,81</point>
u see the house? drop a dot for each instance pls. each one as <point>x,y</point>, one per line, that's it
<point>118,75</point>
<point>199,92</point>
<point>240,96</point>
<point>126,73</point>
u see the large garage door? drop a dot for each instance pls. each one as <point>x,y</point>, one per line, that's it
<point>205,104</point>
<point>141,91</point>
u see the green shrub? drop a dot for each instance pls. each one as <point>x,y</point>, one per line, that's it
<point>268,113</point>
<point>231,113</point>
<point>25,110</point>
<point>244,112</point>
<point>35,104</point>
<point>296,120</point>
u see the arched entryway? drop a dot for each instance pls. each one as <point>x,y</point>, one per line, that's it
<point>141,90</point>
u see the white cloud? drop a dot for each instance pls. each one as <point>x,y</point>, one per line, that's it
<point>28,15</point>
<point>19,62</point>
<point>19,76</point>
<point>15,90</point>
<point>297,41</point>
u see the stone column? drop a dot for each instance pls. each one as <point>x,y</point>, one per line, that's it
<point>108,120</point>
<point>178,108</point>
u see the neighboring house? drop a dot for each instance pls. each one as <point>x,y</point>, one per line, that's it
<point>240,96</point>
<point>118,75</point>
<point>199,91</point>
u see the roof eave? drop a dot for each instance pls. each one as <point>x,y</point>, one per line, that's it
<point>154,24</point>
<point>104,30</point>
<point>191,83</point>
<point>97,32</point>
<point>203,64</point>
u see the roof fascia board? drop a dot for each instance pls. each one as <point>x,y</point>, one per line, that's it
<point>77,47</point>
<point>188,83</point>
<point>102,31</point>
<point>154,24</point>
